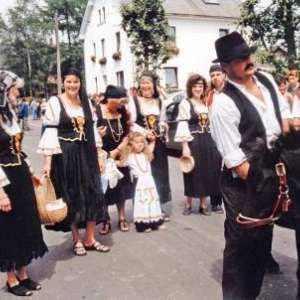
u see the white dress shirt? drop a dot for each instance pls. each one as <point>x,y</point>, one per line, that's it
<point>225,120</point>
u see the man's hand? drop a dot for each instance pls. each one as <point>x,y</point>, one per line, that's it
<point>242,170</point>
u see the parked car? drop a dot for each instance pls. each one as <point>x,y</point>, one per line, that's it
<point>172,106</point>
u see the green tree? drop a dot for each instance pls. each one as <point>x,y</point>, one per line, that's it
<point>25,36</point>
<point>70,14</point>
<point>23,45</point>
<point>147,29</point>
<point>272,26</point>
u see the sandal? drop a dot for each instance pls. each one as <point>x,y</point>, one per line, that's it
<point>123,226</point>
<point>96,246</point>
<point>79,248</point>
<point>30,284</point>
<point>18,290</point>
<point>105,229</point>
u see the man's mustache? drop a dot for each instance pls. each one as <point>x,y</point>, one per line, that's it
<point>249,66</point>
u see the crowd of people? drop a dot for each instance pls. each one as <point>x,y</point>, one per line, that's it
<point>106,150</point>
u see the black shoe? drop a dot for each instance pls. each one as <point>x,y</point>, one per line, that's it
<point>204,211</point>
<point>19,290</point>
<point>186,210</point>
<point>217,209</point>
<point>273,266</point>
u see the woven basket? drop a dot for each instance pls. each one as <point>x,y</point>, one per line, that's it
<point>186,164</point>
<point>51,210</point>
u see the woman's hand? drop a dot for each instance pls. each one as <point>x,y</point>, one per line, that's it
<point>186,151</point>
<point>47,167</point>
<point>35,179</point>
<point>101,163</point>
<point>5,205</point>
<point>149,135</point>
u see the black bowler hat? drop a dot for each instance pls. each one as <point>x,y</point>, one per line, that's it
<point>115,92</point>
<point>232,46</point>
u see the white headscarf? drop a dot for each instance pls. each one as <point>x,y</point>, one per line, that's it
<point>7,80</point>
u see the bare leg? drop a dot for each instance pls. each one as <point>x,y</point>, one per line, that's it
<point>203,203</point>
<point>188,201</point>
<point>12,279</point>
<point>123,225</point>
<point>78,247</point>
<point>90,233</point>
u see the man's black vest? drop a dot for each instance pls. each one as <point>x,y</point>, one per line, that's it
<point>251,125</point>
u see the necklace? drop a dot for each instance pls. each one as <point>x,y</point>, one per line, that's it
<point>137,162</point>
<point>116,135</point>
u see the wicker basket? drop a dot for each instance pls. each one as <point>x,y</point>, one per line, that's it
<point>186,164</point>
<point>51,210</point>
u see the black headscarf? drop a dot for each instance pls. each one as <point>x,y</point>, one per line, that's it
<point>151,76</point>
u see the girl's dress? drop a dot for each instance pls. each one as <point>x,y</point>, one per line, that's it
<point>74,170</point>
<point>193,127</point>
<point>149,118</point>
<point>146,212</point>
<point>21,237</point>
<point>117,129</point>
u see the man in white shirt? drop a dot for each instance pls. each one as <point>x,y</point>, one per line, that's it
<point>243,112</point>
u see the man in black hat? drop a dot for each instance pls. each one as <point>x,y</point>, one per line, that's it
<point>249,108</point>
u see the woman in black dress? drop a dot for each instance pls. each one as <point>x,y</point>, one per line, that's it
<point>70,144</point>
<point>21,237</point>
<point>148,115</point>
<point>113,118</point>
<point>194,134</point>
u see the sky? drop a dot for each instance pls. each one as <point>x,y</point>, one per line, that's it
<point>5,4</point>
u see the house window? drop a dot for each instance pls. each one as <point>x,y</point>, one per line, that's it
<point>104,77</point>
<point>171,77</point>
<point>94,46</point>
<point>96,84</point>
<point>103,12</point>
<point>103,47</point>
<point>120,78</point>
<point>100,19</point>
<point>118,39</point>
<point>172,34</point>
<point>223,32</point>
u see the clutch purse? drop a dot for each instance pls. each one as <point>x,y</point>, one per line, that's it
<point>51,210</point>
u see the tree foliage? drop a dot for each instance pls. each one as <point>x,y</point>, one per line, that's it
<point>25,37</point>
<point>273,27</point>
<point>147,29</point>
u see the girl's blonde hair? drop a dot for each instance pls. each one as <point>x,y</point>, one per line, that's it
<point>129,149</point>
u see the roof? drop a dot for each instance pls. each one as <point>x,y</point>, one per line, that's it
<point>228,9</point>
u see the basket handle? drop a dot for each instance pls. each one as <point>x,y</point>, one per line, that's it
<point>49,192</point>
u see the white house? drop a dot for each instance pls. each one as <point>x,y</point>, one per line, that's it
<point>196,25</point>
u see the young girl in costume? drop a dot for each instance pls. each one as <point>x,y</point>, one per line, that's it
<point>137,156</point>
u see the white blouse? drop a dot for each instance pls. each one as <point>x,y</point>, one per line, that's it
<point>182,132</point>
<point>146,109</point>
<point>225,119</point>
<point>49,143</point>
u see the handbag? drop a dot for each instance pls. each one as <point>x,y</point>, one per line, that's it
<point>51,210</point>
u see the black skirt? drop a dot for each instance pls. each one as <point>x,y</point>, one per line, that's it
<point>204,180</point>
<point>78,184</point>
<point>21,237</point>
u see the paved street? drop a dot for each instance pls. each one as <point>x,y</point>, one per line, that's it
<point>182,263</point>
